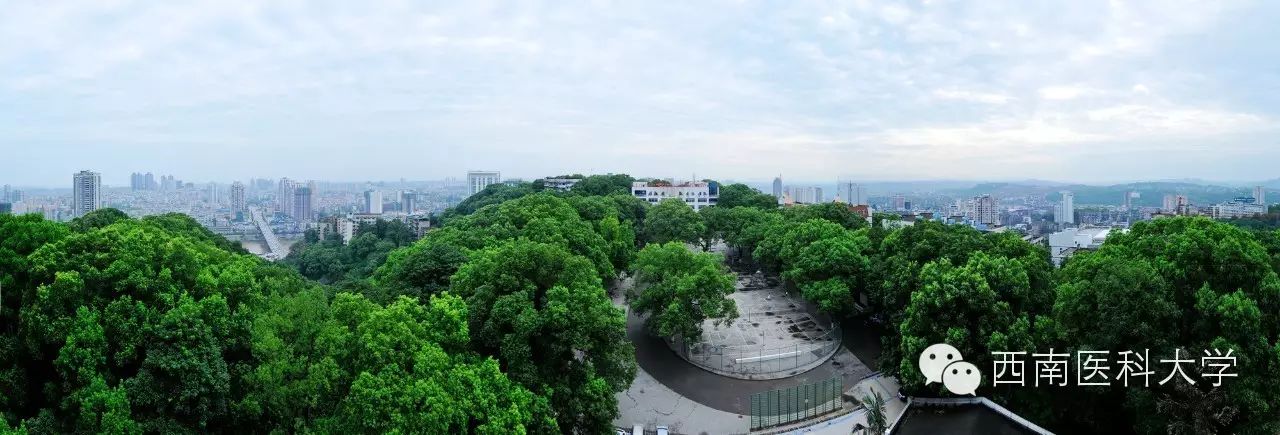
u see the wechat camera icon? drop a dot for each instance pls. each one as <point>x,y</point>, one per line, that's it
<point>943,363</point>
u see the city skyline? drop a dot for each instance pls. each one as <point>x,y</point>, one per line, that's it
<point>762,183</point>
<point>1094,92</point>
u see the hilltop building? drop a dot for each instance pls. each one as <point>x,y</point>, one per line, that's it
<point>697,194</point>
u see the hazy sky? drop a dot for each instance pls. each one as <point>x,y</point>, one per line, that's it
<point>355,90</point>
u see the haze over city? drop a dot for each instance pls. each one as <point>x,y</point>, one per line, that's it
<point>1088,91</point>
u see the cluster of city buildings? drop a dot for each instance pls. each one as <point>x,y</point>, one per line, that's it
<point>292,207</point>
<point>147,181</point>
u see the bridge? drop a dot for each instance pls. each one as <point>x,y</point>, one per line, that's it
<point>275,250</point>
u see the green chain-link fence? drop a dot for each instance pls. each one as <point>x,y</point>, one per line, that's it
<point>777,407</point>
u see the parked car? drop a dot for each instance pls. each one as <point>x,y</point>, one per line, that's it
<point>662,430</point>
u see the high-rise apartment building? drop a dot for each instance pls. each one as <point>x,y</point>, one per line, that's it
<point>409,201</point>
<point>149,180</point>
<point>285,195</point>
<point>805,194</point>
<point>372,201</point>
<point>985,210</point>
<point>478,180</point>
<point>898,203</point>
<point>777,188</point>
<point>1066,211</point>
<point>1176,204</point>
<point>302,204</point>
<point>215,195</point>
<point>87,192</point>
<point>237,200</point>
<point>853,193</point>
<point>315,194</point>
<point>1260,195</point>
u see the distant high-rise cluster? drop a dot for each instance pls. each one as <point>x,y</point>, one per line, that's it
<point>214,194</point>
<point>139,181</point>
<point>296,199</point>
<point>985,210</point>
<point>853,193</point>
<point>982,209</point>
<point>284,195</point>
<point>898,203</point>
<point>86,189</point>
<point>478,180</point>
<point>408,201</point>
<point>805,194</point>
<point>1176,204</point>
<point>302,203</point>
<point>373,201</point>
<point>237,200</point>
<point>1065,213</point>
<point>10,195</point>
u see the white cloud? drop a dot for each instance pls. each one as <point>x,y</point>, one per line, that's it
<point>1063,92</point>
<point>972,96</point>
<point>740,88</point>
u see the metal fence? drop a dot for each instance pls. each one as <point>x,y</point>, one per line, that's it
<point>748,362</point>
<point>801,402</point>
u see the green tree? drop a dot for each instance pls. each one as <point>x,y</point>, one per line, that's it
<point>543,218</point>
<point>966,306</point>
<point>877,422</point>
<point>1190,283</point>
<point>604,185</point>
<point>741,195</point>
<point>673,221</point>
<point>832,272</point>
<point>679,289</point>
<point>543,313</point>
<point>621,237</point>
<point>97,219</point>
<point>833,212</point>
<point>492,194</point>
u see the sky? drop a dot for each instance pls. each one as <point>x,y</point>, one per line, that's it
<point>1075,91</point>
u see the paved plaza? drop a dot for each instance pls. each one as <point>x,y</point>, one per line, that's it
<point>691,399</point>
<point>776,335</point>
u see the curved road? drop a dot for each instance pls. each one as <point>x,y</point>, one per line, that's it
<point>722,392</point>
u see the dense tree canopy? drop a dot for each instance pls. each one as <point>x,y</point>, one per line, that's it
<point>671,220</point>
<point>542,311</point>
<point>741,195</point>
<point>354,366</point>
<point>679,289</point>
<point>531,271</point>
<point>176,309</point>
<point>499,321</point>
<point>1187,283</point>
<point>332,261</point>
<point>151,326</point>
<point>604,185</point>
<point>492,194</point>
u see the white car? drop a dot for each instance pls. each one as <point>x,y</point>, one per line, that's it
<point>662,430</point>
